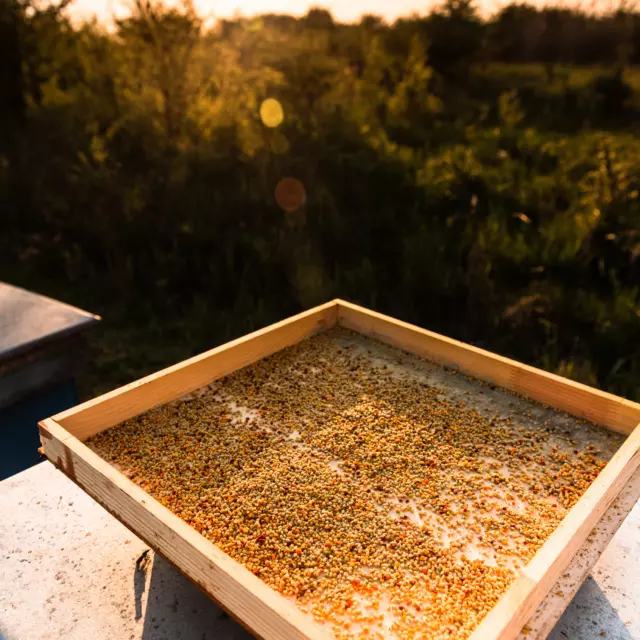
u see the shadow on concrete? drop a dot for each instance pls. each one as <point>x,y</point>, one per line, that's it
<point>589,614</point>
<point>176,609</point>
<point>140,580</point>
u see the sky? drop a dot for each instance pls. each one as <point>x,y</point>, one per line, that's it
<point>342,10</point>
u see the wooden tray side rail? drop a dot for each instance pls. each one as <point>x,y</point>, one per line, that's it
<point>166,385</point>
<point>248,599</point>
<point>579,400</point>
<point>262,610</point>
<point>513,610</point>
<point>516,606</point>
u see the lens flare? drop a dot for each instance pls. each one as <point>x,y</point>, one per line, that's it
<point>271,113</point>
<point>279,144</point>
<point>290,194</point>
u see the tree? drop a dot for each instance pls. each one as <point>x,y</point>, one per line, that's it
<point>455,33</point>
<point>317,18</point>
<point>162,42</point>
<point>31,48</point>
<point>514,33</point>
<point>411,99</point>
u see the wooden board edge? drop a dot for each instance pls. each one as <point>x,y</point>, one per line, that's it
<point>582,401</point>
<point>516,606</point>
<point>166,385</point>
<point>556,602</point>
<point>262,610</point>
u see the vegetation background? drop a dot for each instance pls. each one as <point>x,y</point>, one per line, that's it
<point>478,177</point>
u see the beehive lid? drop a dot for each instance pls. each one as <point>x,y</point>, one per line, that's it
<point>27,320</point>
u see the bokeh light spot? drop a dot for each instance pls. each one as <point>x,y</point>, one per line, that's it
<point>271,113</point>
<point>290,194</point>
<point>279,144</point>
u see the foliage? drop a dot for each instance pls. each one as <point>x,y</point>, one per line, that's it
<point>445,184</point>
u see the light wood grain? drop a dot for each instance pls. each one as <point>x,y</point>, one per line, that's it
<point>561,594</point>
<point>103,412</point>
<point>513,610</point>
<point>264,612</point>
<point>602,408</point>
<point>577,399</point>
<point>628,411</point>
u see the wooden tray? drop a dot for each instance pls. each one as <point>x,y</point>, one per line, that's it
<point>262,610</point>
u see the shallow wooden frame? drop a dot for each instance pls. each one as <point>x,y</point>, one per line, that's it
<point>259,608</point>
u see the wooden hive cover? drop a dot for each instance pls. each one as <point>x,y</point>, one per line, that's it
<point>28,320</point>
